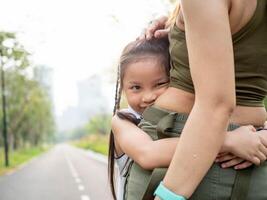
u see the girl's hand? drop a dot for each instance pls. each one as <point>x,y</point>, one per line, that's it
<point>156,29</point>
<point>244,143</point>
<point>229,160</point>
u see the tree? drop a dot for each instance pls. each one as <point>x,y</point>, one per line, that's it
<point>29,109</point>
<point>99,124</point>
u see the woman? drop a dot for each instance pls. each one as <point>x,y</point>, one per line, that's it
<point>222,78</point>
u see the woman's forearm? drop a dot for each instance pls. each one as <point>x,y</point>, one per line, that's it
<point>197,149</point>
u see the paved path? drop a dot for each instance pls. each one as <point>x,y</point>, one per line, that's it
<point>63,173</point>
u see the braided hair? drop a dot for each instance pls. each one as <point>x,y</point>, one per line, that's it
<point>133,52</point>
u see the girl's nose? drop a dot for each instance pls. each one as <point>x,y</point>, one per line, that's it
<point>149,97</point>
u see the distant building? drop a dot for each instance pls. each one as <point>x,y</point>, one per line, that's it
<point>91,101</point>
<point>90,96</point>
<point>44,75</point>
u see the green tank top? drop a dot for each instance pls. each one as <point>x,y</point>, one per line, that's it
<point>250,56</point>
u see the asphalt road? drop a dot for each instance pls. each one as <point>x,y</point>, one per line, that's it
<point>63,173</point>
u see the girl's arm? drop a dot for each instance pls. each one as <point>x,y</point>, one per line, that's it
<point>151,154</point>
<point>211,61</point>
<point>140,147</point>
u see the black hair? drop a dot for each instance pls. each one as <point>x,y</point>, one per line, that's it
<point>133,52</point>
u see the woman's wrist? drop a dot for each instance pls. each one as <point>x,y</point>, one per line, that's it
<point>165,194</point>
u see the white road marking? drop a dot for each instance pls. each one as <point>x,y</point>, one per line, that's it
<point>78,180</point>
<point>80,187</point>
<point>72,169</point>
<point>76,177</point>
<point>85,197</point>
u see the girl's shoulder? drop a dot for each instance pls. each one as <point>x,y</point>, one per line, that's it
<point>131,111</point>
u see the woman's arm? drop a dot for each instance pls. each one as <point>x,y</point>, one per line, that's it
<point>140,147</point>
<point>210,49</point>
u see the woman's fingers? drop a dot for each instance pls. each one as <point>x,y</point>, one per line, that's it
<point>158,24</point>
<point>161,33</point>
<point>225,158</point>
<point>222,154</point>
<point>263,149</point>
<point>251,128</point>
<point>263,137</point>
<point>243,165</point>
<point>261,156</point>
<point>255,160</point>
<point>232,162</point>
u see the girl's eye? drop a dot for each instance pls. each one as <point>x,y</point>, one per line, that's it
<point>135,87</point>
<point>162,83</point>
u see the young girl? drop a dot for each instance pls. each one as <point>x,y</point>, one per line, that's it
<point>142,77</point>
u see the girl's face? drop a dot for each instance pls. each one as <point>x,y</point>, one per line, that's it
<point>143,82</point>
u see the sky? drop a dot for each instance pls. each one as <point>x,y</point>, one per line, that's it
<point>77,38</point>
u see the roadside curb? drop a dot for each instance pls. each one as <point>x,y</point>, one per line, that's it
<point>94,155</point>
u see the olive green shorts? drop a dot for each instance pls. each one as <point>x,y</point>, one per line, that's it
<point>218,183</point>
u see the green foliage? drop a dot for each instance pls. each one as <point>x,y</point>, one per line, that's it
<point>19,157</point>
<point>97,133</point>
<point>74,134</point>
<point>94,142</point>
<point>99,124</point>
<point>173,1</point>
<point>29,109</point>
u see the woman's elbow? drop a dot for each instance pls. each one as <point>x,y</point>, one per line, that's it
<point>218,103</point>
<point>226,105</point>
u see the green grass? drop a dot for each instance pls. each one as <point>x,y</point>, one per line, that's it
<point>19,157</point>
<point>97,143</point>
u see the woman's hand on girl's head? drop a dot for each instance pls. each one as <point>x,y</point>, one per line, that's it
<point>156,29</point>
<point>245,144</point>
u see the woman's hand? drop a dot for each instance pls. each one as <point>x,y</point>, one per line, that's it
<point>263,136</point>
<point>156,29</point>
<point>229,160</point>
<point>246,144</point>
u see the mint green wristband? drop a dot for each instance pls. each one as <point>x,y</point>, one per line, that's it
<point>165,194</point>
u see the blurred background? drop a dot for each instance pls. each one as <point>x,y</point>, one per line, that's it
<point>58,62</point>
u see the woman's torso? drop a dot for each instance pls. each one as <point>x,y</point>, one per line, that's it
<point>179,100</point>
<point>182,102</point>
